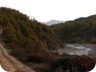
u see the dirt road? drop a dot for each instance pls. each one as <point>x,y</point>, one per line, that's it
<point>11,64</point>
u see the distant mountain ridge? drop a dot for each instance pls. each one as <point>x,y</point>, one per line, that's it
<point>50,22</point>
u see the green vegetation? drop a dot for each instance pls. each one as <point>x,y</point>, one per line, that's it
<point>81,30</point>
<point>27,38</point>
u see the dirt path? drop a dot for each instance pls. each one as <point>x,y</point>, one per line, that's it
<point>10,64</point>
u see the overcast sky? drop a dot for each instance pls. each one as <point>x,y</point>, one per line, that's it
<point>44,10</point>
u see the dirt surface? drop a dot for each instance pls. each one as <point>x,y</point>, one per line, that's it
<point>11,64</point>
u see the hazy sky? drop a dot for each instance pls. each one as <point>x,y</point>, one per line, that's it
<point>44,10</point>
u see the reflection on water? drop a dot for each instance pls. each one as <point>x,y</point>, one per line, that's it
<point>78,49</point>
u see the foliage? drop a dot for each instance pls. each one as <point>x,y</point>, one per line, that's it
<point>26,38</point>
<point>72,64</point>
<point>81,30</point>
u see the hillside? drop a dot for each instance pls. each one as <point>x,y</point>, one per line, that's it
<point>81,30</point>
<point>26,38</point>
<point>29,41</point>
<point>10,63</point>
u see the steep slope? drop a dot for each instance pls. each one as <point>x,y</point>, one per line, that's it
<point>10,63</point>
<point>25,37</point>
<point>81,30</point>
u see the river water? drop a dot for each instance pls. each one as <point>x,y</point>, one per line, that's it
<point>79,49</point>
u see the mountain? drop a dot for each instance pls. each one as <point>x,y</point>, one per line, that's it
<point>29,41</point>
<point>26,38</point>
<point>81,30</point>
<point>53,22</point>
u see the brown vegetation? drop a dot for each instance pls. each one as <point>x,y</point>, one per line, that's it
<point>26,38</point>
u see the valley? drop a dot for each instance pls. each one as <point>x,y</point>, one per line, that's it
<point>27,45</point>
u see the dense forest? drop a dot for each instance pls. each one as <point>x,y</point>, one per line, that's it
<point>24,36</point>
<point>28,40</point>
<point>81,30</point>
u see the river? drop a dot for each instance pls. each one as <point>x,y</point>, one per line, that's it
<point>79,49</point>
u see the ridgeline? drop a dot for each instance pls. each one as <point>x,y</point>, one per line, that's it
<point>81,30</point>
<point>24,36</point>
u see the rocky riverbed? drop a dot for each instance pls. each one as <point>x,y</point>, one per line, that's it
<point>79,49</point>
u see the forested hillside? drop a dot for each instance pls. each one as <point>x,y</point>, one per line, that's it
<point>81,30</point>
<point>25,37</point>
<point>29,41</point>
